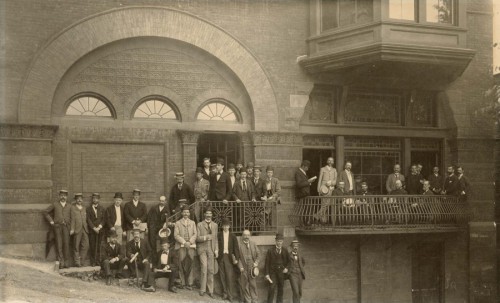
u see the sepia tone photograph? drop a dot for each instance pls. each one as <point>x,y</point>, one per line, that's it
<point>251,151</point>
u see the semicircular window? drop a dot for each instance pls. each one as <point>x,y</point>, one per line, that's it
<point>88,106</point>
<point>217,111</point>
<point>155,109</point>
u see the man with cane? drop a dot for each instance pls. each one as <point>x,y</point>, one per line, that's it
<point>95,220</point>
<point>138,252</point>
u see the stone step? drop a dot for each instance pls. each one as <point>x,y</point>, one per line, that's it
<point>83,269</point>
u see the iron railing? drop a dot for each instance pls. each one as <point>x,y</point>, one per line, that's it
<point>379,214</point>
<point>258,217</point>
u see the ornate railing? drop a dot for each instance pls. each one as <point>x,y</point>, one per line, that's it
<point>379,214</point>
<point>259,217</point>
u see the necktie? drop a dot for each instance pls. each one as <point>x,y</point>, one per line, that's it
<point>278,251</point>
<point>137,246</point>
<point>255,181</point>
<point>209,229</point>
<point>244,186</point>
<point>180,186</point>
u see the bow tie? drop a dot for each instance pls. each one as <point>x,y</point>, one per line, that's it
<point>165,252</point>
<point>294,253</point>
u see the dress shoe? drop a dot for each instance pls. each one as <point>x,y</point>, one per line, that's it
<point>149,289</point>
<point>61,266</point>
<point>181,287</point>
<point>211,295</point>
<point>173,289</point>
<point>189,287</point>
<point>108,281</point>
<point>202,293</point>
<point>119,276</point>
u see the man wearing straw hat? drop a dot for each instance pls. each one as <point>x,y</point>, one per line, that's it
<point>208,250</point>
<point>60,220</point>
<point>185,244</point>
<point>181,194</point>
<point>296,271</point>
<point>95,220</point>
<point>277,260</point>
<point>157,217</point>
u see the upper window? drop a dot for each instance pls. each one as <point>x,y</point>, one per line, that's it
<point>434,11</point>
<point>217,111</point>
<point>340,13</point>
<point>88,106</point>
<point>440,11</point>
<point>155,109</point>
<point>402,9</point>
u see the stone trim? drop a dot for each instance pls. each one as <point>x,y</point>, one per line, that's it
<point>275,138</point>
<point>189,137</point>
<point>27,131</point>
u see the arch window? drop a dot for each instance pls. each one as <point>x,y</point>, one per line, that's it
<point>155,109</point>
<point>217,111</point>
<point>88,106</point>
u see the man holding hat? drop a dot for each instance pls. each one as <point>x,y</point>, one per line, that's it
<point>185,243</point>
<point>112,257</point>
<point>277,260</point>
<point>135,213</point>
<point>220,184</point>
<point>79,230</point>
<point>248,264</point>
<point>95,220</point>
<point>58,215</point>
<point>302,182</point>
<point>157,217</point>
<point>272,192</point>
<point>139,253</point>
<point>327,177</point>
<point>208,250</point>
<point>167,265</point>
<point>228,258</point>
<point>180,195</point>
<point>201,188</point>
<point>296,271</point>
<point>114,217</point>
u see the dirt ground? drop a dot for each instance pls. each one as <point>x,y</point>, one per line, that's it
<point>35,281</point>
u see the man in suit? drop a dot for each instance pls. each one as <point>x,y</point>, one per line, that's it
<point>79,230</point>
<point>220,184</point>
<point>206,169</point>
<point>436,181</point>
<point>201,188</point>
<point>114,218</point>
<point>243,189</point>
<point>302,183</point>
<point>277,260</point>
<point>347,177</point>
<point>239,168</point>
<point>296,271</point>
<point>58,215</point>
<point>167,264</point>
<point>249,258</point>
<point>258,183</point>
<point>185,243</point>
<point>157,217</point>
<point>135,213</point>
<point>112,257</point>
<point>95,221</point>
<point>231,171</point>
<point>427,189</point>
<point>327,173</point>
<point>208,250</point>
<point>181,194</point>
<point>272,191</point>
<point>138,251</point>
<point>463,184</point>
<point>414,181</point>
<point>399,189</point>
<point>249,169</point>
<point>390,183</point>
<point>451,183</point>
<point>228,258</point>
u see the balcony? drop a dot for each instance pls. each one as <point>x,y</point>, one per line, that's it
<point>379,215</point>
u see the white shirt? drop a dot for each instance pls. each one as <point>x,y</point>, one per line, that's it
<point>164,259</point>
<point>161,208</point>
<point>79,207</point>
<point>349,177</point>
<point>62,204</point>
<point>118,221</point>
<point>135,202</point>
<point>225,236</point>
<point>233,179</point>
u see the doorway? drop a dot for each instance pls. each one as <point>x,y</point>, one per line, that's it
<point>218,145</point>
<point>428,159</point>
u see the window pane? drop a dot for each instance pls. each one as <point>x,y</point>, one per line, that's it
<point>88,106</point>
<point>155,109</point>
<point>217,111</point>
<point>402,9</point>
<point>329,14</point>
<point>347,12</point>
<point>439,11</point>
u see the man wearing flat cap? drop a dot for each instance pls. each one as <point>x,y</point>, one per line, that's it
<point>157,217</point>
<point>112,257</point>
<point>201,189</point>
<point>167,264</point>
<point>58,215</point>
<point>220,184</point>
<point>185,243</point>
<point>277,260</point>
<point>229,255</point>
<point>95,221</point>
<point>296,271</point>
<point>79,230</point>
<point>181,194</point>
<point>135,213</point>
<point>115,218</point>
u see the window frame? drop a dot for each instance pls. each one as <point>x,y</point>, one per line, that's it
<point>337,17</point>
<point>160,98</point>
<point>232,107</point>
<point>420,12</point>
<point>97,96</point>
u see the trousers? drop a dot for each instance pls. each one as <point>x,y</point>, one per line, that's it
<point>80,246</point>
<point>61,232</point>
<point>226,272</point>
<point>207,260</point>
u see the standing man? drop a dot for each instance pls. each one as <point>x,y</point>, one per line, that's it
<point>258,183</point>
<point>228,258</point>
<point>139,252</point>
<point>112,257</point>
<point>451,184</point>
<point>201,188</point>
<point>181,194</point>
<point>296,271</point>
<point>272,190</point>
<point>60,221</point>
<point>208,250</point>
<point>302,183</point>
<point>135,213</point>
<point>96,221</point>
<point>243,189</point>
<point>79,230</point>
<point>231,171</point>
<point>327,173</point>
<point>157,217</point>
<point>249,258</point>
<point>277,260</point>
<point>463,184</point>
<point>249,170</point>
<point>390,184</point>
<point>414,181</point>
<point>348,178</point>
<point>239,168</point>
<point>114,218</point>
<point>206,169</point>
<point>167,265</point>
<point>220,184</point>
<point>185,244</point>
<point>436,181</point>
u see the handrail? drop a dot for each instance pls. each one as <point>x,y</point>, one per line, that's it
<point>377,213</point>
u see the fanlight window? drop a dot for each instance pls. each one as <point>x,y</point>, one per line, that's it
<point>155,109</point>
<point>217,111</point>
<point>88,106</point>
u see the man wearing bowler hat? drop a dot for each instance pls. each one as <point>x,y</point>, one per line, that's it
<point>296,271</point>
<point>95,220</point>
<point>79,230</point>
<point>228,258</point>
<point>135,213</point>
<point>58,215</point>
<point>114,217</point>
<point>248,262</point>
<point>277,259</point>
<point>181,194</point>
<point>112,257</point>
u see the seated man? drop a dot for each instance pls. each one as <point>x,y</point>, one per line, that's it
<point>138,252</point>
<point>167,264</point>
<point>112,257</point>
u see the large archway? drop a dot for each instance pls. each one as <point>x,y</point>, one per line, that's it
<point>79,39</point>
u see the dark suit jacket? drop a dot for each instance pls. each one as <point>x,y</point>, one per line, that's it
<point>232,246</point>
<point>301,262</point>
<point>132,213</point>
<point>413,185</point>
<point>111,216</point>
<point>302,186</point>
<point>108,253</point>
<point>220,189</point>
<point>205,175</point>
<point>339,192</point>
<point>343,177</point>
<point>92,219</point>
<point>79,219</point>
<point>156,219</point>
<point>260,188</point>
<point>428,193</point>
<point>436,182</point>
<point>452,186</point>
<point>172,259</point>
<point>464,185</point>
<point>144,253</point>
<point>59,214</point>
<point>238,192</point>
<point>177,194</point>
<point>271,260</point>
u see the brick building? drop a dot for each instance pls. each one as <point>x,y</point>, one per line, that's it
<point>106,96</point>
